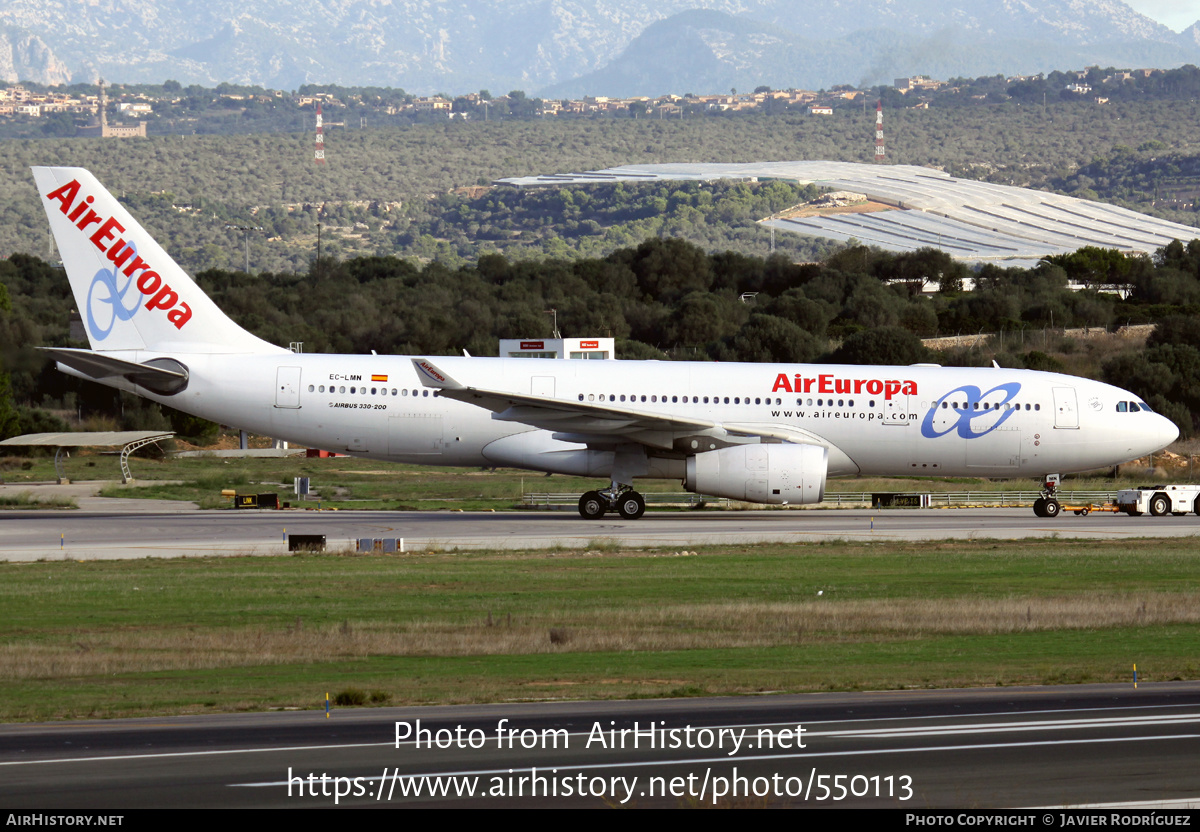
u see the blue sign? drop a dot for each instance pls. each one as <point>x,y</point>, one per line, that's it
<point>970,411</point>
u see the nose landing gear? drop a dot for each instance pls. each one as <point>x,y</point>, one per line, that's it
<point>1047,505</point>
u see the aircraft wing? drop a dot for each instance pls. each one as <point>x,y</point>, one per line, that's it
<point>598,424</point>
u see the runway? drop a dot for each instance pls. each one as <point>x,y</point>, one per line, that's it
<point>1090,745</point>
<point>96,534</point>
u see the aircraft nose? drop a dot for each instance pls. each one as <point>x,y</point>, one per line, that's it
<point>1164,431</point>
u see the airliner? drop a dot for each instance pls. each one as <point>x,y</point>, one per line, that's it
<point>762,433</point>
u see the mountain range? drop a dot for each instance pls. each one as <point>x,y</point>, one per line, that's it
<point>559,48</point>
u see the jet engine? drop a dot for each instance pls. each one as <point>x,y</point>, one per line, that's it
<point>775,474</point>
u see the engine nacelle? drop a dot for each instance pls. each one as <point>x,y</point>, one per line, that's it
<point>775,474</point>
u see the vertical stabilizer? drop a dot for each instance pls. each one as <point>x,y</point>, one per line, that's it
<point>131,294</point>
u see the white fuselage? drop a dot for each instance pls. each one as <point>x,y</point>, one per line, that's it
<point>915,420</point>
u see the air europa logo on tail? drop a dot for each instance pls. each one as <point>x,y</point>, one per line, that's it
<point>829,383</point>
<point>125,259</point>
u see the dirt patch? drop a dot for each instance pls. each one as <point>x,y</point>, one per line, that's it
<point>801,211</point>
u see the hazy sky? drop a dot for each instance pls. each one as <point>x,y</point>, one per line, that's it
<point>1177,14</point>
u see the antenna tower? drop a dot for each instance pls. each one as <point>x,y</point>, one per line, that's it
<point>879,151</point>
<point>319,156</point>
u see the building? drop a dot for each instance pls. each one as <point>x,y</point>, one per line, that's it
<point>601,348</point>
<point>100,128</point>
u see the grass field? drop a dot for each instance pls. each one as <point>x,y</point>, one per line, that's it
<point>117,638</point>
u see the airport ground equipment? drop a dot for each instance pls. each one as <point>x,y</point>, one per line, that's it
<point>1159,500</point>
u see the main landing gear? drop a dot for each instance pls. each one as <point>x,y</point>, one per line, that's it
<point>619,498</point>
<point>1047,505</point>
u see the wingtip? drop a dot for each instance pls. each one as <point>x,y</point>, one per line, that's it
<point>432,376</point>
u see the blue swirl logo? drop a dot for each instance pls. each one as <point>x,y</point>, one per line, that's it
<point>971,410</point>
<point>113,298</point>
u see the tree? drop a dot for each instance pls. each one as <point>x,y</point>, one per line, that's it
<point>885,345</point>
<point>765,338</point>
<point>667,269</point>
<point>1176,330</point>
<point>9,419</point>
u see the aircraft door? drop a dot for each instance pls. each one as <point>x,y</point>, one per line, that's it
<point>896,411</point>
<point>1066,409</point>
<point>287,387</point>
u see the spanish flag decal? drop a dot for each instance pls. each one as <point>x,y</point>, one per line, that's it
<point>378,377</point>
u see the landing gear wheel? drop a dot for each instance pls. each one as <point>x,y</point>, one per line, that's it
<point>1160,504</point>
<point>631,505</point>
<point>592,506</point>
<point>1039,506</point>
<point>1051,508</point>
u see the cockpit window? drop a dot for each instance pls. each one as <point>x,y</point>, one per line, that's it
<point>1145,407</point>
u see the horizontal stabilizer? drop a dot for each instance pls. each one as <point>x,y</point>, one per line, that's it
<point>164,376</point>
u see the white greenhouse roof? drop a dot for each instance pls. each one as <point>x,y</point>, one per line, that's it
<point>971,220</point>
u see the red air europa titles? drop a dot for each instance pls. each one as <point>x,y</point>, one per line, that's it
<point>120,253</point>
<point>829,383</point>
